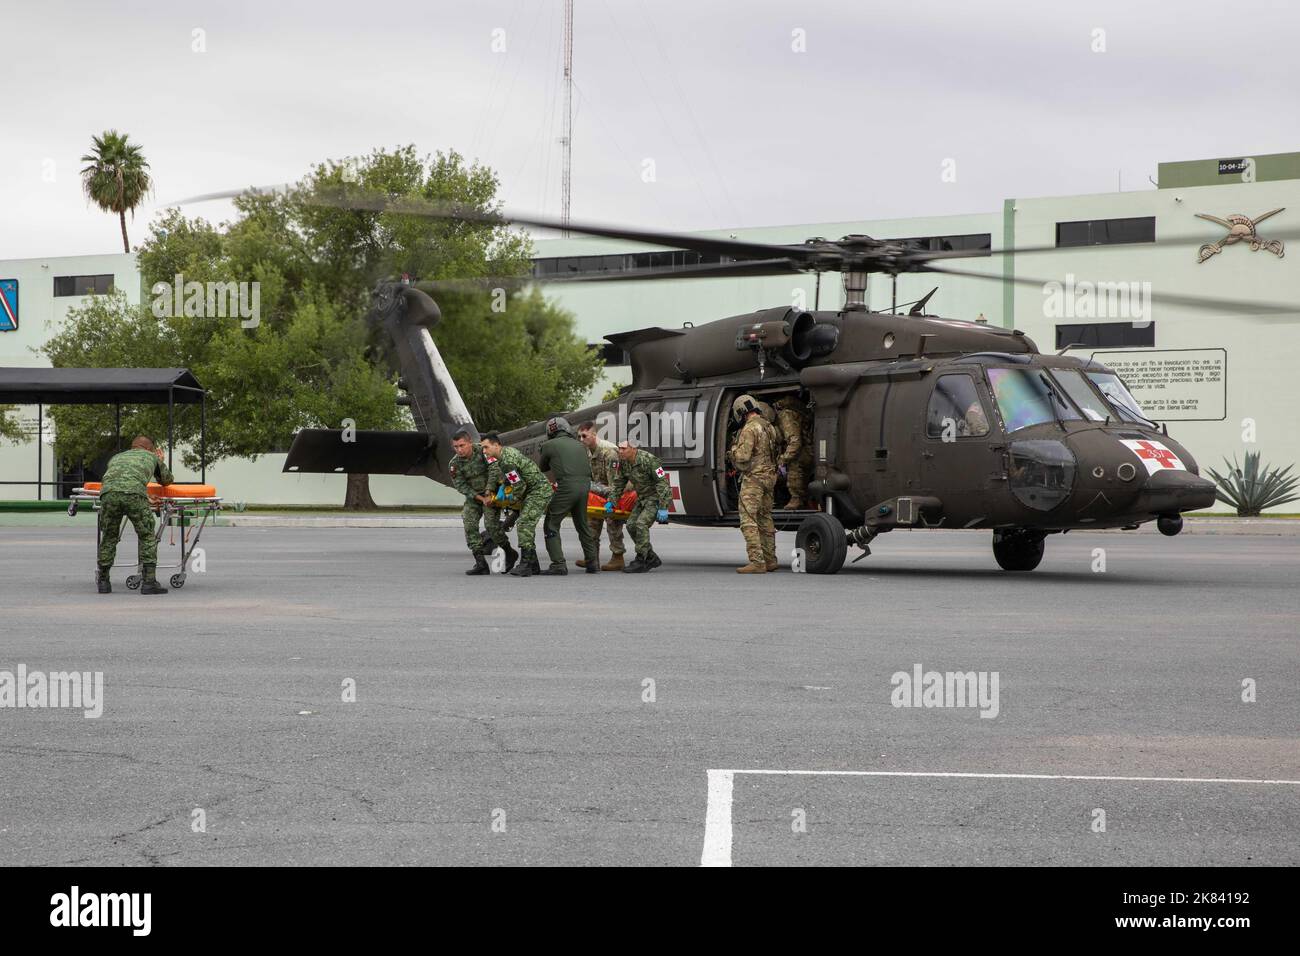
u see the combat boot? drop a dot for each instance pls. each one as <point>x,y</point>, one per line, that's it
<point>615,564</point>
<point>769,554</point>
<point>636,566</point>
<point>593,568</point>
<point>558,568</point>
<point>795,504</point>
<point>582,562</point>
<point>512,556</point>
<point>102,582</point>
<point>150,583</point>
<point>527,565</point>
<point>480,565</point>
<point>652,561</point>
<point>752,568</point>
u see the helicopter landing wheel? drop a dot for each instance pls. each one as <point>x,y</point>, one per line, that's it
<point>1017,550</point>
<point>822,540</point>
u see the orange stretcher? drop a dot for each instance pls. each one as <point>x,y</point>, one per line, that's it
<point>187,507</point>
<point>622,508</point>
<point>164,491</point>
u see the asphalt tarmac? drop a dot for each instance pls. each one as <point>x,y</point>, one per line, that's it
<point>575,720</point>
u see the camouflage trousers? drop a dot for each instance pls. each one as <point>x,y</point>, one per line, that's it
<point>572,504</point>
<point>471,513</point>
<point>797,475</point>
<point>535,503</point>
<point>135,508</point>
<point>756,519</point>
<point>614,528</point>
<point>639,522</point>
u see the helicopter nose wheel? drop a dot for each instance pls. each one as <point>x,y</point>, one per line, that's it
<point>824,545</point>
<point>1016,549</point>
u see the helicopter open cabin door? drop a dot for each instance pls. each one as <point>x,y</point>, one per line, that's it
<point>961,448</point>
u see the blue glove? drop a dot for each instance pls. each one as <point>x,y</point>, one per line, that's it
<point>609,507</point>
<point>662,516</point>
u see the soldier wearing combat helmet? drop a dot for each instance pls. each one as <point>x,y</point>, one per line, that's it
<point>565,458</point>
<point>754,454</point>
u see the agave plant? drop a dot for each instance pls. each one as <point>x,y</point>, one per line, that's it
<point>1253,488</point>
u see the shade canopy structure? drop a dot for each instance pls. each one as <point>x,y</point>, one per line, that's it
<point>99,386</point>
<point>105,386</point>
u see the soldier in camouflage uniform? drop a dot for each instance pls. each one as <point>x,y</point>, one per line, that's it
<point>469,473</point>
<point>124,493</point>
<point>510,466</point>
<point>643,473</point>
<point>604,466</point>
<point>794,422</point>
<point>565,458</point>
<point>754,455</point>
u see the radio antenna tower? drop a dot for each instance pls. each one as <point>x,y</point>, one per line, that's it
<point>566,141</point>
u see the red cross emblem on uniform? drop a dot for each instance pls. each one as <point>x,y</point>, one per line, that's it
<point>660,472</point>
<point>512,477</point>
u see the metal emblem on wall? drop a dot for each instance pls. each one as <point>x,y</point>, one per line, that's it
<point>8,305</point>
<point>1240,229</point>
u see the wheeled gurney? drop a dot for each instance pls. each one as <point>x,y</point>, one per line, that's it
<point>187,507</point>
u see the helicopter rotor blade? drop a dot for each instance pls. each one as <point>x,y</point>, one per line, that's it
<point>739,249</point>
<point>1185,300</point>
<point>234,194</point>
<point>706,270</point>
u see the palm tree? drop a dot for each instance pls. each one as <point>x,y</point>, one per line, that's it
<point>116,178</point>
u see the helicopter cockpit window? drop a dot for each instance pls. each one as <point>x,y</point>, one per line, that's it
<point>955,410</point>
<point>1026,397</point>
<point>1120,398</point>
<point>1073,384</point>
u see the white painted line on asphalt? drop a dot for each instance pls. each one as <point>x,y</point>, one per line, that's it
<point>717,820</point>
<point>717,817</point>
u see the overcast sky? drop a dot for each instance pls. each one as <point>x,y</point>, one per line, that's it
<point>742,128</point>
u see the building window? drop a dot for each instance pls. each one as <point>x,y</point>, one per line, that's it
<point>974,242</point>
<point>1106,232</point>
<point>1107,335</point>
<point>83,285</point>
<point>682,259</point>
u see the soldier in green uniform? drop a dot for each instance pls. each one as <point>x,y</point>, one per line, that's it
<point>124,493</point>
<point>754,455</point>
<point>469,473</point>
<point>564,457</point>
<point>643,472</point>
<point>795,461</point>
<point>509,466</point>
<point>604,466</point>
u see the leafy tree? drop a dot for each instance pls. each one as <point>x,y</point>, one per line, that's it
<point>9,428</point>
<point>116,177</point>
<point>311,361</point>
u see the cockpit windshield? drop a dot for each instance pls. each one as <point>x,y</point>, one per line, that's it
<point>1120,398</point>
<point>1081,393</point>
<point>1026,396</point>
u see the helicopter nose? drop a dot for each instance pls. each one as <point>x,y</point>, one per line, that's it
<point>1174,491</point>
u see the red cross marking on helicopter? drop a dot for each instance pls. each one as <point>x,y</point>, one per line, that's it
<point>1158,453</point>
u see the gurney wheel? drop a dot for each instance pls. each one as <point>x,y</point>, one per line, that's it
<point>178,580</point>
<point>133,582</point>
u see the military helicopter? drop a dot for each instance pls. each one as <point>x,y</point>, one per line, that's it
<point>919,421</point>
